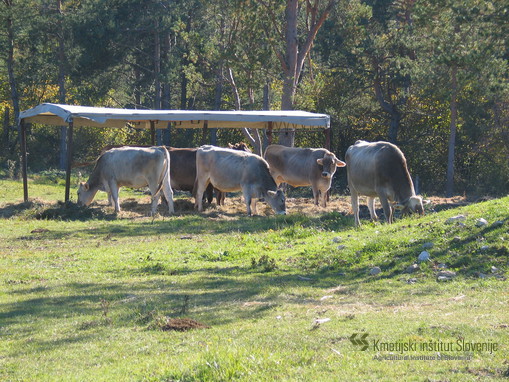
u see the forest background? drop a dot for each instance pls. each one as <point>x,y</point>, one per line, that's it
<point>429,75</point>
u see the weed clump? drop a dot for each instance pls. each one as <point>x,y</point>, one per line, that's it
<point>266,263</point>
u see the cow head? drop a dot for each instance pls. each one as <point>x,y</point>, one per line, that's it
<point>276,200</point>
<point>413,204</point>
<point>329,162</point>
<point>85,194</point>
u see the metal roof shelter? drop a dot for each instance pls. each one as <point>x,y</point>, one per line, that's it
<point>60,115</point>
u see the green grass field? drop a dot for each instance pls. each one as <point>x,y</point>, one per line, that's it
<point>87,296</point>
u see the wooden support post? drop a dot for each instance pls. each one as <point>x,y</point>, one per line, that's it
<point>204,140</point>
<point>152,133</point>
<point>69,161</point>
<point>23,137</point>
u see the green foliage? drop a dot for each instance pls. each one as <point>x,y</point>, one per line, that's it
<point>380,69</point>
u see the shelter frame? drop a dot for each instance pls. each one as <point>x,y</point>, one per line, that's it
<point>77,116</point>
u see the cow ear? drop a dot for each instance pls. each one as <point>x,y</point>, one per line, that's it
<point>320,161</point>
<point>340,163</point>
<point>271,193</point>
<point>86,186</point>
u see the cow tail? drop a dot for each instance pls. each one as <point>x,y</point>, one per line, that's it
<point>166,171</point>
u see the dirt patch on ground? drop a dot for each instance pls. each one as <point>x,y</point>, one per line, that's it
<point>182,325</point>
<point>136,208</point>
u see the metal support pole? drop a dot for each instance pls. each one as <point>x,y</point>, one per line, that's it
<point>69,161</point>
<point>23,142</point>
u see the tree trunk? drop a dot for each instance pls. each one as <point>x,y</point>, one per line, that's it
<point>166,105</point>
<point>452,136</point>
<point>157,78</point>
<point>389,108</point>
<point>5,134</point>
<point>290,68</point>
<point>10,71</point>
<point>61,86</point>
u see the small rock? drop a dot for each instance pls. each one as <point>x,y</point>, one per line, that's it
<point>481,222</point>
<point>428,245</point>
<point>456,239</point>
<point>456,219</point>
<point>484,248</point>
<point>411,281</point>
<point>498,223</point>
<point>412,268</point>
<point>337,239</point>
<point>442,265</point>
<point>494,269</point>
<point>325,298</point>
<point>424,256</point>
<point>374,271</point>
<point>340,247</point>
<point>481,275</point>
<point>445,275</point>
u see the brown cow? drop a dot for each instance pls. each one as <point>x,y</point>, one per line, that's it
<point>380,169</point>
<point>303,167</point>
<point>183,170</point>
<point>233,170</point>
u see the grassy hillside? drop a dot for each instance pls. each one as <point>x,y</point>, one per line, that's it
<point>219,296</point>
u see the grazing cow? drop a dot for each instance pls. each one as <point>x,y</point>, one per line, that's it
<point>303,167</point>
<point>233,170</point>
<point>183,170</point>
<point>131,167</point>
<point>241,146</point>
<point>380,169</point>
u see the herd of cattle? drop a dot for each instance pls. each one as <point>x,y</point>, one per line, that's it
<point>374,169</point>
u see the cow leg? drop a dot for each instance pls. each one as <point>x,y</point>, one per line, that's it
<point>253,206</point>
<point>355,205</point>
<point>111,202</point>
<point>114,194</point>
<point>323,194</point>
<point>168,194</point>
<point>248,199</point>
<point>201,186</point>
<point>316,194</point>
<point>371,207</point>
<point>387,208</point>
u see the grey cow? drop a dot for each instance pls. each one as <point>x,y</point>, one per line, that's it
<point>380,169</point>
<point>303,167</point>
<point>232,170</point>
<point>134,167</point>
